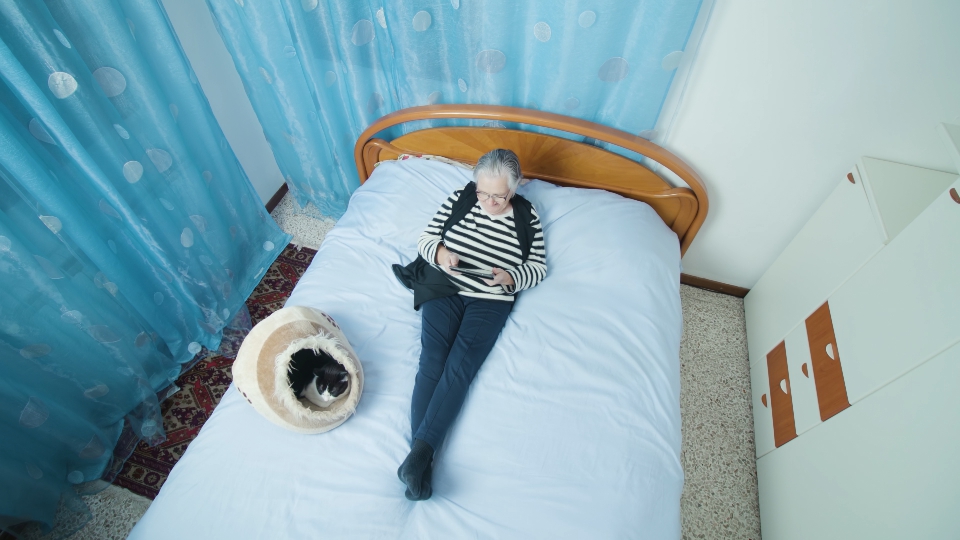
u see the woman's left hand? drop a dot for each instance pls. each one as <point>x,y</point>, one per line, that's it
<point>500,277</point>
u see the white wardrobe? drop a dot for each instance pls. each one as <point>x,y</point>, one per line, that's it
<point>854,341</point>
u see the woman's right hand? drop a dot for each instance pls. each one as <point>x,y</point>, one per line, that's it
<point>446,259</point>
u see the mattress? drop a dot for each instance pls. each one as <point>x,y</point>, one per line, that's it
<point>571,429</point>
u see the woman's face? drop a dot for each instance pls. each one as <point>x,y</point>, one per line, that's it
<point>493,192</point>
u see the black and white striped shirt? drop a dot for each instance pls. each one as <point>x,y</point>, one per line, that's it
<point>483,242</point>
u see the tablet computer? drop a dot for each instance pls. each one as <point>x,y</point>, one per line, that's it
<point>485,274</point>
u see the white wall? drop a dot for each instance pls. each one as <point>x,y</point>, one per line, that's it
<point>785,96</point>
<point>221,83</point>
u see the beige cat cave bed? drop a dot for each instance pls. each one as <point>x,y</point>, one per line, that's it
<point>260,371</point>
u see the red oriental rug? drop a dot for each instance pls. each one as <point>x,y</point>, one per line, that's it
<point>202,386</point>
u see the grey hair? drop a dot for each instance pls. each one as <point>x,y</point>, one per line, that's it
<point>500,163</point>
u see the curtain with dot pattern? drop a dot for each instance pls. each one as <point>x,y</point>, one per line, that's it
<point>318,72</point>
<point>129,237</point>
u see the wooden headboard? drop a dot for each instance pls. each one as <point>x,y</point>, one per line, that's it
<point>557,160</point>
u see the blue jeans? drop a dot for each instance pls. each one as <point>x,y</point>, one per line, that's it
<point>458,334</point>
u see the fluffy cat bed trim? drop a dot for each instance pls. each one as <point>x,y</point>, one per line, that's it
<point>260,371</point>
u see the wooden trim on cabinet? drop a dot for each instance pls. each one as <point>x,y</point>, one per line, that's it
<point>825,359</point>
<point>781,401</point>
<point>277,197</point>
<point>715,286</point>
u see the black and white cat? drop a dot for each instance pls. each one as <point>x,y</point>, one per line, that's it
<point>328,384</point>
<point>317,377</point>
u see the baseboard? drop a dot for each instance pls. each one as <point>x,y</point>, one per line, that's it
<point>715,286</point>
<point>277,197</point>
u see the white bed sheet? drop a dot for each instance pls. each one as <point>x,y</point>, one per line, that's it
<point>570,430</point>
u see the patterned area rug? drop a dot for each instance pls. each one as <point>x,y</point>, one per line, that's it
<point>204,384</point>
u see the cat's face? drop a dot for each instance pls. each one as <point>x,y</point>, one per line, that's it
<point>330,384</point>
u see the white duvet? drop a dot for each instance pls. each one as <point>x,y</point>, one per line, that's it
<point>570,430</point>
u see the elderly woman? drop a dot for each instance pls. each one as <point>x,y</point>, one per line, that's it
<point>483,226</point>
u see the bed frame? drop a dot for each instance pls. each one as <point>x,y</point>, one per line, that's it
<point>557,160</point>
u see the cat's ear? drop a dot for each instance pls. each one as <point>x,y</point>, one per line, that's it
<point>318,372</point>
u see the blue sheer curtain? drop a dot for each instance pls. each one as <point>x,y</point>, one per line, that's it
<point>318,72</point>
<point>129,236</point>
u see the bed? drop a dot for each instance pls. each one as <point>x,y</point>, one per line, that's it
<point>571,428</point>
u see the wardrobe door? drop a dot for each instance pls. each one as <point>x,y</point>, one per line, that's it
<point>904,307</point>
<point>837,240</point>
<point>886,467</point>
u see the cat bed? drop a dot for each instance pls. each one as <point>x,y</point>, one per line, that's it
<point>263,364</point>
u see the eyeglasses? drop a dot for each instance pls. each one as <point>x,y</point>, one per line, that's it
<point>498,199</point>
